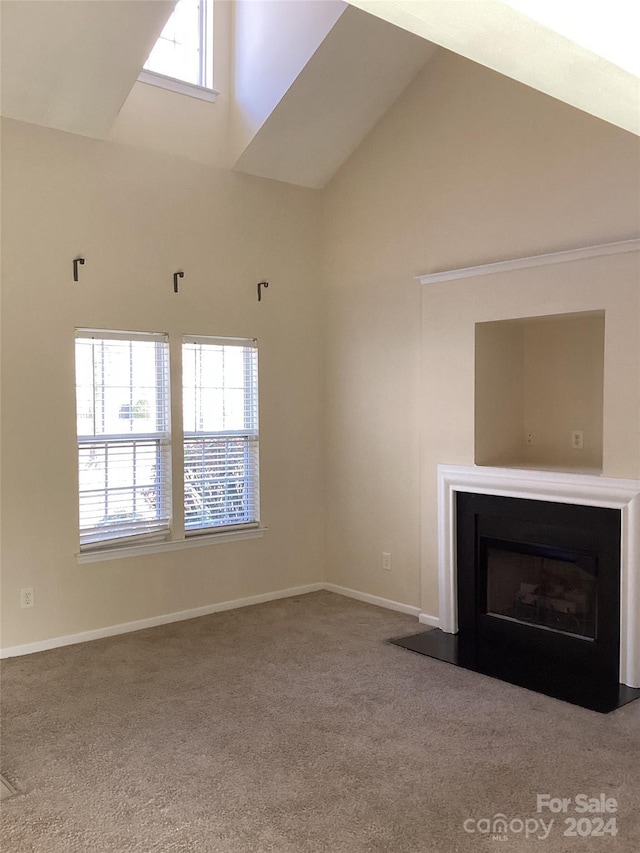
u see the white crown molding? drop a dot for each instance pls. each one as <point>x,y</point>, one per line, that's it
<point>560,487</point>
<point>580,254</point>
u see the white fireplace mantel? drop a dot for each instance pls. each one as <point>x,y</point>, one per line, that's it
<point>559,487</point>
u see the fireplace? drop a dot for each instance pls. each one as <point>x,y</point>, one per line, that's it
<point>539,594</point>
<point>539,582</point>
<point>547,587</point>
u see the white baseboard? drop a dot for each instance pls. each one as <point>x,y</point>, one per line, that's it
<point>181,615</point>
<point>372,599</point>
<point>427,619</point>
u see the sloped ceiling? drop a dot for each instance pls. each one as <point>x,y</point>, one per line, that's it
<point>562,48</point>
<point>71,65</point>
<point>351,80</point>
<point>361,67</point>
<point>272,43</point>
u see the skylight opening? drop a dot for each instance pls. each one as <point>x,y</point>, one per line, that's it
<point>184,51</point>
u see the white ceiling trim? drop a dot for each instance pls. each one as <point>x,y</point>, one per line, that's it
<point>580,254</point>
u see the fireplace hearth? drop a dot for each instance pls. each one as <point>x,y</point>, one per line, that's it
<point>537,586</point>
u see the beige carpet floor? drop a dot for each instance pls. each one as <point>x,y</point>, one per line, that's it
<point>293,727</point>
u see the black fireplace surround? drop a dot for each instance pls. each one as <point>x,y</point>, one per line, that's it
<point>538,599</point>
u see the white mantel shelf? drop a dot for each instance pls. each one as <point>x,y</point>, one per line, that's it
<point>559,487</point>
<point>579,254</point>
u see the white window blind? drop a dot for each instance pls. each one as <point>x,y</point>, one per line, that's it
<point>122,406</point>
<point>220,411</point>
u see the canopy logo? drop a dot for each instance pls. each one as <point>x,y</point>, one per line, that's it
<point>590,818</point>
<point>499,827</point>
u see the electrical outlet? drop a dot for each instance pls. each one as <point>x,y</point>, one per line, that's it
<point>386,561</point>
<point>26,597</point>
<point>577,439</point>
<point>529,439</point>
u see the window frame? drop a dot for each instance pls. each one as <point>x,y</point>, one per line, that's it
<point>203,89</point>
<point>250,433</point>
<point>97,536</point>
<point>167,539</point>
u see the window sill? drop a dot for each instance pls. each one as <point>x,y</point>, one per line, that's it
<point>179,86</point>
<point>173,545</point>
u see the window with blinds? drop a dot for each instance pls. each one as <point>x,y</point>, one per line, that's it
<point>220,411</point>
<point>122,407</point>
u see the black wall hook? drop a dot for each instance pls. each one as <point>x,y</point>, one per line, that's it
<point>176,276</point>
<point>261,284</point>
<point>77,261</point>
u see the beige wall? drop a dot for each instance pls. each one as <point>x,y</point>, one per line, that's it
<point>609,283</point>
<point>564,385</point>
<point>366,384</point>
<point>137,217</point>
<point>466,168</point>
<point>499,393</point>
<point>543,378</point>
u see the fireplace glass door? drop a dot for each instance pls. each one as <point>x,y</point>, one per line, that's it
<point>546,587</point>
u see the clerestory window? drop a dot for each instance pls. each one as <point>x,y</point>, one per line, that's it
<point>182,58</point>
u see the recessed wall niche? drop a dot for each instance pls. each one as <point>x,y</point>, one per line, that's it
<point>539,392</point>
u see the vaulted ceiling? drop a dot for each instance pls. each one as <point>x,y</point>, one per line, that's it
<point>71,66</point>
<point>585,54</point>
<point>358,71</point>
